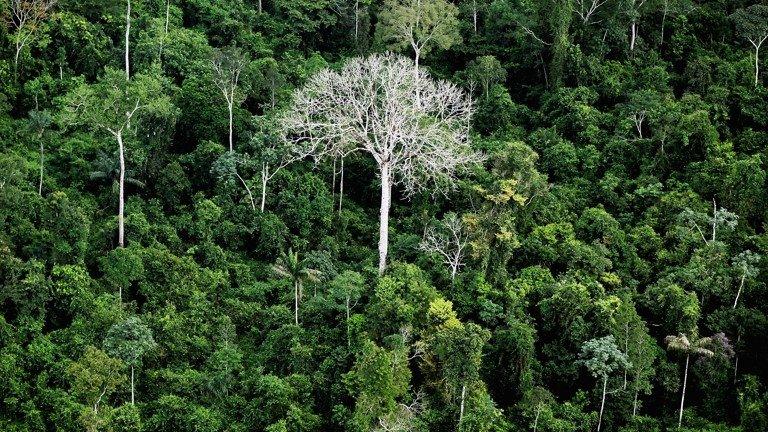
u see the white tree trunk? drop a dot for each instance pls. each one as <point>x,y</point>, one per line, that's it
<point>738,293</point>
<point>602,404</point>
<point>264,179</point>
<point>348,330</point>
<point>165,33</point>
<point>132,387</point>
<point>127,43</point>
<point>634,36</point>
<point>536,420</point>
<point>121,197</point>
<point>248,190</point>
<point>682,398</point>
<point>474,15</point>
<point>757,64</point>
<point>386,199</point>
<point>230,107</point>
<point>634,405</point>
<point>463,398</point>
<point>341,184</point>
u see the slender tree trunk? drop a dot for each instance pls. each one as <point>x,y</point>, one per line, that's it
<point>602,404</point>
<point>474,15</point>
<point>165,33</point>
<point>386,198</point>
<point>333,182</point>
<point>341,184</point>
<point>626,352</point>
<point>127,42</point>
<point>263,189</point>
<point>682,398</point>
<point>230,107</point>
<point>121,195</point>
<point>296,302</point>
<point>357,19</point>
<point>248,190</point>
<point>634,404</point>
<point>634,36</point>
<point>736,361</point>
<point>348,330</point>
<point>463,398</point>
<point>738,293</point>
<point>536,419</point>
<point>42,161</point>
<point>19,46</point>
<point>132,387</point>
<point>261,6</point>
<point>757,64</point>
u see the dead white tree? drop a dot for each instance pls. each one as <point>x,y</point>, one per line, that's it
<point>448,239</point>
<point>228,64</point>
<point>371,106</point>
<point>25,16</point>
<point>586,9</point>
<point>274,154</point>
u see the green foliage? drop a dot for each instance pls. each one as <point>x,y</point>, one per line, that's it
<point>617,215</point>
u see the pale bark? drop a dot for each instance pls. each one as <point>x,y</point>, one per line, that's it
<point>536,419</point>
<point>738,293</point>
<point>386,199</point>
<point>682,398</point>
<point>634,36</point>
<point>463,398</point>
<point>264,179</point>
<point>121,185</point>
<point>230,108</point>
<point>602,404</point>
<point>341,184</point>
<point>127,42</point>
<point>634,404</point>
<point>248,190</point>
<point>132,387</point>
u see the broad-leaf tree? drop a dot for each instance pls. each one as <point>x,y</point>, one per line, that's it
<point>129,341</point>
<point>602,357</point>
<point>117,108</point>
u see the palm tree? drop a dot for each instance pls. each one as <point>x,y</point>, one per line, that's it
<point>289,266</point>
<point>694,346</point>
<point>108,169</point>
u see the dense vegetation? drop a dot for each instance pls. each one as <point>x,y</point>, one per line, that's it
<point>191,194</point>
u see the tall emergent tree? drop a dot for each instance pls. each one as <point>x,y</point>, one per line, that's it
<point>601,357</point>
<point>752,24</point>
<point>289,266</point>
<point>25,16</point>
<point>228,64</point>
<point>370,105</point>
<point>129,341</point>
<point>695,346</point>
<point>117,107</point>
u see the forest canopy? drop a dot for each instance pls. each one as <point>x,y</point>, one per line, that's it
<point>383,215</point>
